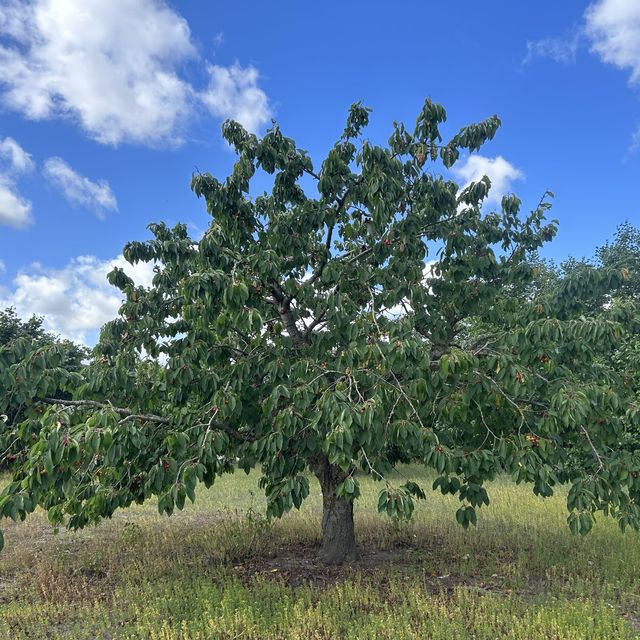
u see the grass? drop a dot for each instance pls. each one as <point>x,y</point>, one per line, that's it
<point>219,570</point>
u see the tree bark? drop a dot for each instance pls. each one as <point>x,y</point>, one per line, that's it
<point>338,533</point>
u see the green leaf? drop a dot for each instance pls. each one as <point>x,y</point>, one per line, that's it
<point>48,462</point>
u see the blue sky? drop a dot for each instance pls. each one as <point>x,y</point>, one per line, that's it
<point>108,107</point>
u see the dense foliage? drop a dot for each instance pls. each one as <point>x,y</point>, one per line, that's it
<point>31,331</point>
<point>623,253</point>
<point>29,337</point>
<point>360,314</point>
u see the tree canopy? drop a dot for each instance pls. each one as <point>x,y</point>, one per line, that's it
<point>29,336</point>
<point>360,314</point>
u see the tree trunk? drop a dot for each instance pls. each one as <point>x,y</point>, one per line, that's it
<point>338,534</point>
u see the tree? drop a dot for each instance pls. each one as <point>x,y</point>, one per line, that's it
<point>609,297</point>
<point>326,326</point>
<point>12,328</point>
<point>624,253</point>
<point>28,336</point>
<point>621,254</point>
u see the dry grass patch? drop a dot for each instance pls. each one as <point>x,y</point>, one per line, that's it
<point>220,570</point>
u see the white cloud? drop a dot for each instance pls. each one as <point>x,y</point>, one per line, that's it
<point>233,93</point>
<point>3,267</point>
<point>610,27</point>
<point>17,158</point>
<point>613,27</point>
<point>562,49</point>
<point>15,211</point>
<point>78,189</point>
<point>501,173</point>
<point>114,67</point>
<point>111,65</point>
<point>75,300</point>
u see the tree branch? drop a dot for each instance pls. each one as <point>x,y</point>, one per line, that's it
<point>315,323</point>
<point>127,413</point>
<point>320,268</point>
<point>291,327</point>
<point>284,310</point>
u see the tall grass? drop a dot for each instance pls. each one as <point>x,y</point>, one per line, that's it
<point>220,570</point>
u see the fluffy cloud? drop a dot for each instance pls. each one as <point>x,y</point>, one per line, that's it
<point>114,67</point>
<point>16,157</point>
<point>501,173</point>
<point>613,28</point>
<point>233,93</point>
<point>15,211</point>
<point>75,300</point>
<point>78,189</point>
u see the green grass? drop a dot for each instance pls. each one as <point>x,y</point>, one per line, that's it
<point>219,570</point>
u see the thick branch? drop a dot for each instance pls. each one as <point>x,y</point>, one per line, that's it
<point>291,327</point>
<point>284,310</point>
<point>279,295</point>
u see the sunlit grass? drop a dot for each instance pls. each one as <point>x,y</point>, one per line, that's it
<point>219,570</point>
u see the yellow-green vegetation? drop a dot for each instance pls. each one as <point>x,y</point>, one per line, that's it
<point>217,572</point>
